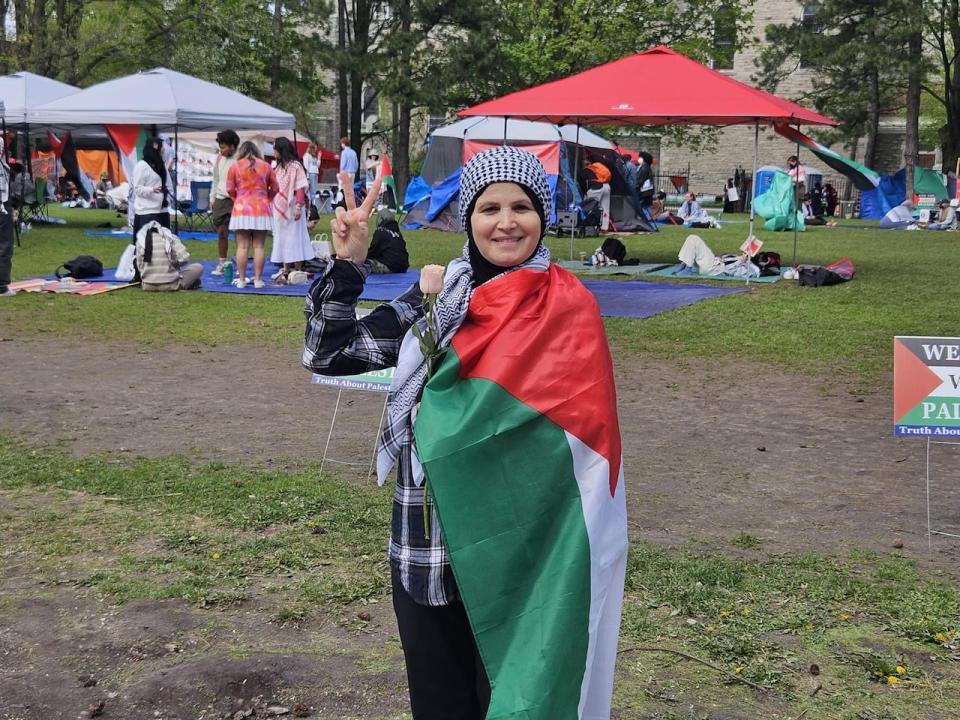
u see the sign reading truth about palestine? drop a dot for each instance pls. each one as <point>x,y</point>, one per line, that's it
<point>926,387</point>
<point>373,381</point>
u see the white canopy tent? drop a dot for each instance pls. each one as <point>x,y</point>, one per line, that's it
<point>24,91</point>
<point>165,98</point>
<point>493,129</point>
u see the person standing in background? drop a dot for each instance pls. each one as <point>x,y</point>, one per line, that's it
<point>311,164</point>
<point>6,226</point>
<point>252,184</point>
<point>220,202</point>
<point>349,162</point>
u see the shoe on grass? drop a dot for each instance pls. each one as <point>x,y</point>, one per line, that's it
<point>9,292</point>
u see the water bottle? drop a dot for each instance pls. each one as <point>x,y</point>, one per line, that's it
<point>228,273</point>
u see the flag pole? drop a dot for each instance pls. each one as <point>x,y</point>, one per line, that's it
<point>796,182</point>
<point>753,178</point>
<point>576,169</point>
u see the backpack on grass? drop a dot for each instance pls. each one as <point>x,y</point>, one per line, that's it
<point>82,266</point>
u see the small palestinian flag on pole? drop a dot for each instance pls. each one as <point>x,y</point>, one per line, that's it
<point>390,197</point>
<point>863,178</point>
<point>519,440</point>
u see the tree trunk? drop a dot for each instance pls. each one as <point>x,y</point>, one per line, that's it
<point>911,141</point>
<point>873,117</point>
<point>356,112</point>
<point>401,168</point>
<point>342,80</point>
<point>275,62</point>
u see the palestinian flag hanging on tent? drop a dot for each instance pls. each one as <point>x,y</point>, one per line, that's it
<point>390,197</point>
<point>862,177</point>
<point>519,440</point>
<point>129,140</point>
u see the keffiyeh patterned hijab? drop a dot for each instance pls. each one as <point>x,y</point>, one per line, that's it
<point>499,164</point>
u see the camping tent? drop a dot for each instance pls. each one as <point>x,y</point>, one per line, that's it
<point>161,97</point>
<point>892,190</point>
<point>432,197</point>
<point>765,175</point>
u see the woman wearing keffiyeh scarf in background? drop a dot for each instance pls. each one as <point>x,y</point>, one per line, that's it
<point>504,203</point>
<point>291,241</point>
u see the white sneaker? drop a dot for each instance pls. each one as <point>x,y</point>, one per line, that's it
<point>258,284</point>
<point>240,283</point>
<point>218,270</point>
<point>9,292</point>
<point>277,275</point>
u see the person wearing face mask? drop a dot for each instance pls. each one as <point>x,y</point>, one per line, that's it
<point>502,427</point>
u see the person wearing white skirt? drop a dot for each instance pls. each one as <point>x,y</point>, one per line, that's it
<point>291,241</point>
<point>252,185</point>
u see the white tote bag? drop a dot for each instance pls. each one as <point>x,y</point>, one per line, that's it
<point>125,270</point>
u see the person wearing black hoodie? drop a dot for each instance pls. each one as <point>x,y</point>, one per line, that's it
<point>388,251</point>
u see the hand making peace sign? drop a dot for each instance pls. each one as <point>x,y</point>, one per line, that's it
<point>348,229</point>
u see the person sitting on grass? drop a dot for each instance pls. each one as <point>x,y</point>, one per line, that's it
<point>692,214</point>
<point>388,251</point>
<point>659,212</point>
<point>947,217</point>
<point>811,216</point>
<point>899,218</point>
<point>160,258</point>
<point>697,258</point>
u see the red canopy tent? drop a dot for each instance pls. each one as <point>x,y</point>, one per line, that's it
<point>688,93</point>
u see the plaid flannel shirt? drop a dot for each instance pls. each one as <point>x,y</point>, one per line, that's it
<point>337,343</point>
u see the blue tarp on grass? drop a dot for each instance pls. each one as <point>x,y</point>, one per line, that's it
<point>632,298</point>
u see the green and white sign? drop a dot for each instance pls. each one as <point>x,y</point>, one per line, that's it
<point>373,381</point>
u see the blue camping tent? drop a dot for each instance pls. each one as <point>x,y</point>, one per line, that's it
<point>892,190</point>
<point>431,198</point>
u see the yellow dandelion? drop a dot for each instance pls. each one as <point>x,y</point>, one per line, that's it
<point>727,613</point>
<point>892,680</point>
<point>901,670</point>
<point>711,628</point>
<point>843,616</point>
<point>738,669</point>
<point>215,556</point>
<point>745,611</point>
<point>940,637</point>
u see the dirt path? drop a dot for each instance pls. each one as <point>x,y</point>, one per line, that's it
<point>830,474</point>
<point>789,460</point>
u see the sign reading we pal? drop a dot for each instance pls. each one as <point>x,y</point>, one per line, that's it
<point>926,386</point>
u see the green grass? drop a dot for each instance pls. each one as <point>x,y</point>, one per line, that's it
<point>303,545</point>
<point>904,286</point>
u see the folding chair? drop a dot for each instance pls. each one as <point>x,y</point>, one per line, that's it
<point>197,213</point>
<point>32,206</point>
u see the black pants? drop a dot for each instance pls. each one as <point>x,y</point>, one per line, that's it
<point>6,246</point>
<point>446,677</point>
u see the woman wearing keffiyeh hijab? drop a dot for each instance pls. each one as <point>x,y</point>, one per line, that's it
<point>508,537</point>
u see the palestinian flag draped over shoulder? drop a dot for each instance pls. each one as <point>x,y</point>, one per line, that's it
<point>391,198</point>
<point>862,177</point>
<point>518,436</point>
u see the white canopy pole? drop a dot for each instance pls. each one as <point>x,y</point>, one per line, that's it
<point>576,170</point>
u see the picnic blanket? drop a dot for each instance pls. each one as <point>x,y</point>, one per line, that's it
<point>182,234</point>
<point>580,268</point>
<point>70,287</point>
<point>670,272</point>
<point>631,298</point>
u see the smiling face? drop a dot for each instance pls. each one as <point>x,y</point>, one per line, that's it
<point>505,224</point>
